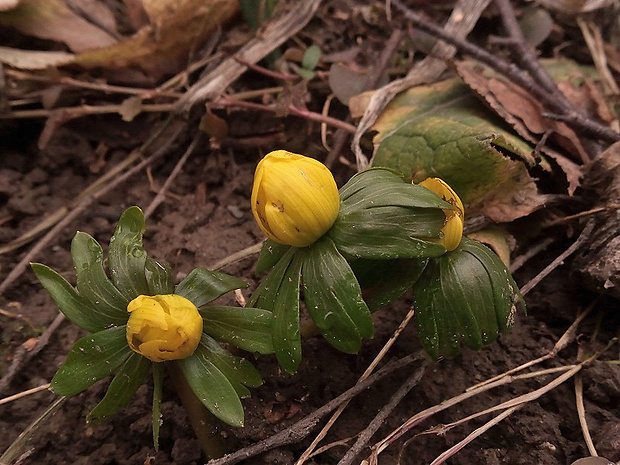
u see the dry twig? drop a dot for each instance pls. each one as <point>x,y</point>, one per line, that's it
<point>274,34</point>
<point>570,115</point>
<point>25,393</point>
<point>308,452</point>
<point>387,409</point>
<point>583,237</point>
<point>340,136</point>
<point>304,427</point>
<point>24,354</point>
<point>161,194</point>
<point>569,336</point>
<point>462,20</point>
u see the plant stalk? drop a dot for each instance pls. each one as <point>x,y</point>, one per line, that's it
<point>202,421</point>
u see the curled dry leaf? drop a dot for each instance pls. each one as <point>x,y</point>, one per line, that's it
<point>575,7</point>
<point>54,20</point>
<point>8,4</point>
<point>599,264</point>
<point>536,24</point>
<point>498,239</point>
<point>130,108</point>
<point>524,113</point>
<point>347,82</point>
<point>174,30</point>
<point>442,130</point>
<point>32,59</point>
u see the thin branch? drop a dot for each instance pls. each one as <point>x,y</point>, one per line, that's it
<point>462,20</point>
<point>24,353</point>
<point>429,412</point>
<point>275,33</point>
<point>583,237</point>
<point>100,86</point>
<point>161,194</point>
<point>83,110</point>
<point>28,392</point>
<point>227,101</point>
<point>340,136</point>
<point>240,255</point>
<point>403,324</point>
<point>16,446</point>
<point>572,117</point>
<point>525,54</point>
<point>530,253</point>
<point>509,404</point>
<point>18,269</point>
<point>380,418</point>
<point>569,335</point>
<point>474,434</point>
<point>581,413</point>
<point>304,427</point>
<point>60,213</point>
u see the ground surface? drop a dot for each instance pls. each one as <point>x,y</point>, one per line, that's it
<point>206,217</point>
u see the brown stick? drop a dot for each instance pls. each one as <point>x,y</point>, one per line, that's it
<point>17,271</point>
<point>378,420</point>
<point>304,427</point>
<point>340,136</point>
<point>275,33</point>
<point>572,117</point>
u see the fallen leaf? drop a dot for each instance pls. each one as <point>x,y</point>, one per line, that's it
<point>519,108</point>
<point>54,20</point>
<point>130,108</point>
<point>575,7</point>
<point>523,112</point>
<point>32,59</point>
<point>135,13</point>
<point>443,130</point>
<point>346,82</point>
<point>162,47</point>
<point>95,12</point>
<point>359,103</point>
<point>536,24</point>
<point>498,239</point>
<point>8,4</point>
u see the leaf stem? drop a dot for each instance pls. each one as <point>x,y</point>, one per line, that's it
<point>199,417</point>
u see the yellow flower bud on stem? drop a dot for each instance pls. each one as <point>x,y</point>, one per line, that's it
<point>294,198</point>
<point>163,327</point>
<point>453,227</point>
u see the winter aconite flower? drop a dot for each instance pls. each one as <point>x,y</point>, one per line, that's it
<point>136,315</point>
<point>453,228</point>
<point>378,217</point>
<point>466,296</point>
<point>163,327</point>
<point>294,198</point>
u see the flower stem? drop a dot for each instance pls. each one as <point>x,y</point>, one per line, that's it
<point>199,417</point>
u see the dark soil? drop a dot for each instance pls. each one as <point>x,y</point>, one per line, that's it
<point>206,217</point>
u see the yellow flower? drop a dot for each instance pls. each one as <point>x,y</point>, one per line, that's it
<point>294,198</point>
<point>453,227</point>
<point>163,327</point>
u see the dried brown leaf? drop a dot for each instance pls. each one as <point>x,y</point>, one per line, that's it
<point>524,113</point>
<point>575,7</point>
<point>177,27</point>
<point>32,59</point>
<point>54,20</point>
<point>8,4</point>
<point>518,107</point>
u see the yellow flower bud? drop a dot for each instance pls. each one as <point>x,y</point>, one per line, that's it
<point>294,198</point>
<point>453,227</point>
<point>163,327</point>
